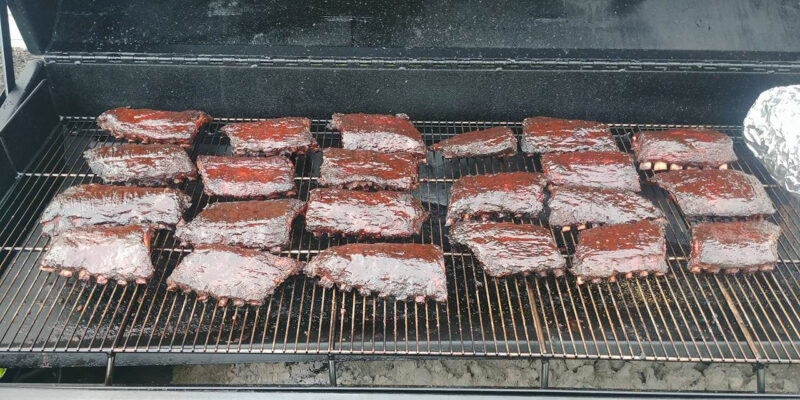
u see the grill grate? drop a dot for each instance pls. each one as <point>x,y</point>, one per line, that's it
<point>679,316</point>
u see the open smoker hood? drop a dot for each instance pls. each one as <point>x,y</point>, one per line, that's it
<point>616,61</point>
<point>319,28</point>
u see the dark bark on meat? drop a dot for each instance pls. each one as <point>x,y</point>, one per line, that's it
<point>595,169</point>
<point>232,273</point>
<point>377,132</point>
<point>246,177</point>
<point>625,249</point>
<point>153,126</point>
<point>371,214</point>
<point>498,141</point>
<point>515,193</point>
<point>505,248</point>
<point>732,246</point>
<point>553,135</point>
<point>579,205</point>
<point>366,169</point>
<point>684,147</point>
<point>405,271</point>
<point>278,136</point>
<point>95,204</point>
<point>716,193</point>
<point>144,165</point>
<point>254,224</point>
<point>119,253</point>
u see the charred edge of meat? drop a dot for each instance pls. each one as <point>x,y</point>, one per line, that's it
<point>480,157</point>
<point>658,166</point>
<point>204,296</point>
<point>332,233</point>
<point>184,143</point>
<point>580,279</point>
<point>367,185</point>
<point>753,218</point>
<point>586,225</point>
<point>177,180</point>
<point>299,151</point>
<point>272,196</point>
<point>486,216</point>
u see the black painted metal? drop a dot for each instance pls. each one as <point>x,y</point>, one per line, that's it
<point>629,91</point>
<point>444,63</point>
<point>318,28</point>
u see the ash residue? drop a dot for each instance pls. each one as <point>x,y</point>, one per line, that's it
<point>579,374</point>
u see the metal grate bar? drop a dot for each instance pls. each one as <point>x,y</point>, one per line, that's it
<point>680,316</point>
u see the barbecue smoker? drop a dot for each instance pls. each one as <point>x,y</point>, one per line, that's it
<point>453,68</point>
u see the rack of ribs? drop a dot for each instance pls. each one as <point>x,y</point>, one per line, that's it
<point>377,132</point>
<point>625,249</point>
<point>364,214</point>
<point>366,169</point>
<point>516,193</point>
<point>683,148</point>
<point>118,253</point>
<point>716,193</point>
<point>498,141</point>
<point>405,271</point>
<point>594,169</point>
<point>94,204</point>
<point>506,248</point>
<point>246,177</point>
<point>243,276</point>
<point>144,165</point>
<point>747,246</point>
<point>153,126</point>
<point>255,224</point>
<point>553,135</point>
<point>278,136</point>
<point>583,207</point>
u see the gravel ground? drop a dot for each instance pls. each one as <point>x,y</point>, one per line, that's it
<point>21,57</point>
<point>516,373</point>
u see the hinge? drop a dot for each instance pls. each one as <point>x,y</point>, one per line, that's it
<point>428,63</point>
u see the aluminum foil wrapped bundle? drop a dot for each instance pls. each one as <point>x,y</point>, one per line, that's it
<point>772,132</point>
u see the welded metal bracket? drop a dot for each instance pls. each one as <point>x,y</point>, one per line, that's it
<point>8,52</point>
<point>544,378</point>
<point>761,377</point>
<point>109,380</point>
<point>332,370</point>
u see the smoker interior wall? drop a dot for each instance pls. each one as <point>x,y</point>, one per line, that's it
<point>261,25</point>
<point>429,94</point>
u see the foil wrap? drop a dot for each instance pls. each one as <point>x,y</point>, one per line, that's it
<point>772,132</point>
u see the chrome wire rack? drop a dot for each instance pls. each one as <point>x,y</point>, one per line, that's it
<point>676,317</point>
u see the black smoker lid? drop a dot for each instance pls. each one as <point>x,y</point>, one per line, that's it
<point>718,29</point>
